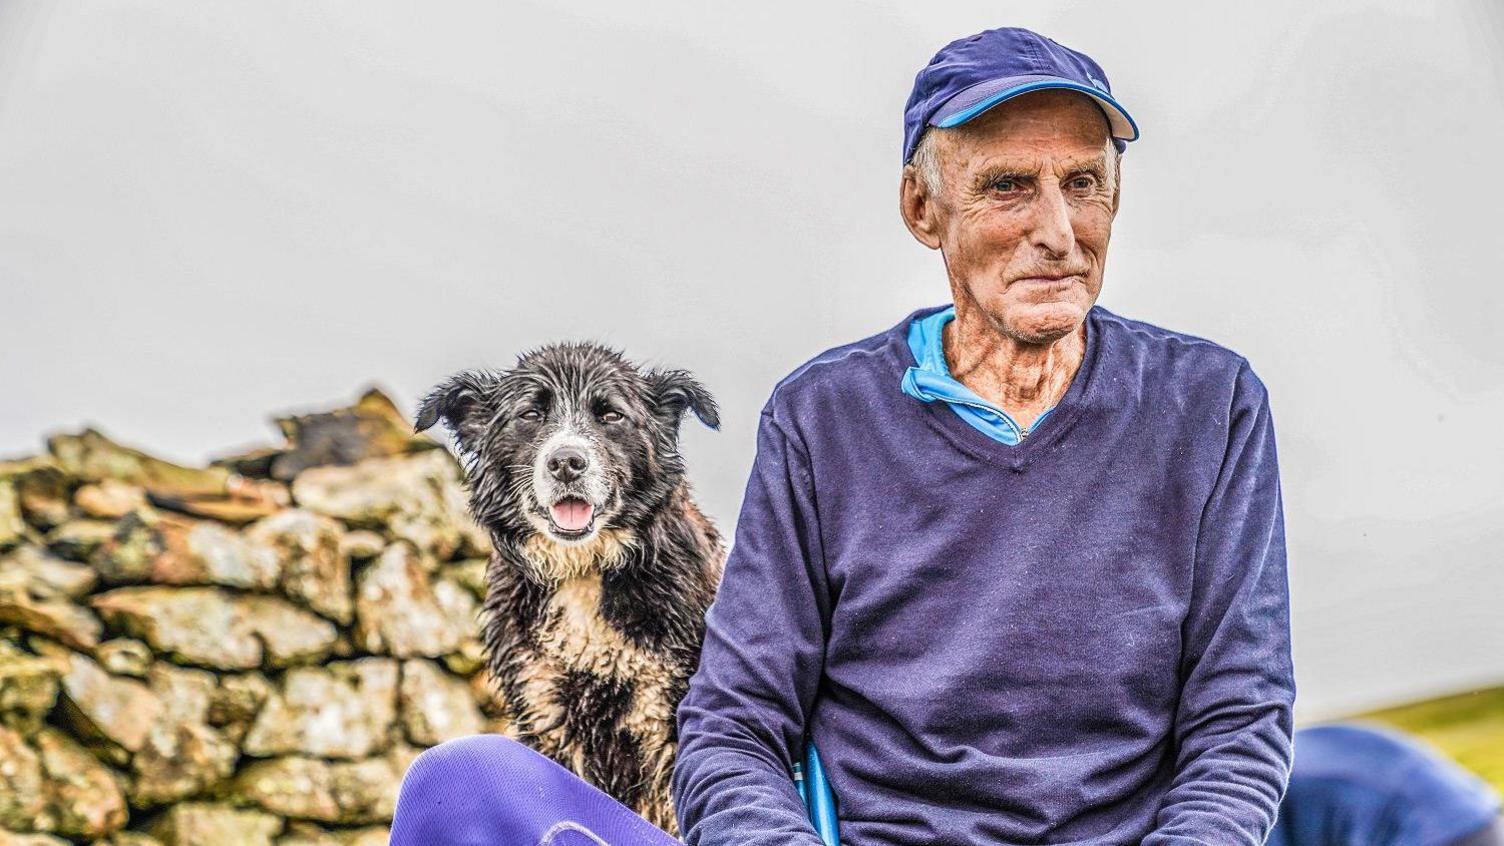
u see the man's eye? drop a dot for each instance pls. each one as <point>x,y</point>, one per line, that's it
<point>610,415</point>
<point>1005,185</point>
<point>1084,183</point>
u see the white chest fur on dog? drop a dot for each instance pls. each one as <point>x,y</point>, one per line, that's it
<point>580,638</point>
<point>573,637</point>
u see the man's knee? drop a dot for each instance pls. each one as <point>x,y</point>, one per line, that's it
<point>474,756</point>
<point>466,790</point>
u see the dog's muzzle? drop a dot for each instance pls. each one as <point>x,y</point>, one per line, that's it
<point>570,486</point>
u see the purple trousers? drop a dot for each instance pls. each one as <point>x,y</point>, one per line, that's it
<point>490,790</point>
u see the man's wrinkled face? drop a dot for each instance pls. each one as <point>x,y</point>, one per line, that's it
<point>1028,192</point>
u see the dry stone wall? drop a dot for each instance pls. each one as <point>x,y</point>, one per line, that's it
<point>246,653</point>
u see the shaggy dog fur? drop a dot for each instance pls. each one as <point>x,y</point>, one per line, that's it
<point>603,566</point>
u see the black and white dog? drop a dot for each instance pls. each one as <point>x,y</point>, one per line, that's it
<point>603,566</point>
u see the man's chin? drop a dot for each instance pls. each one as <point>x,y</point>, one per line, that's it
<point>1044,322</point>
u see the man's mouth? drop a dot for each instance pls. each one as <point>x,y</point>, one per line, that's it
<point>571,515</point>
<point>1044,280</point>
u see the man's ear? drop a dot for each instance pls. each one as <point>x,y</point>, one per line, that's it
<point>674,391</point>
<point>1117,182</point>
<point>462,403</point>
<point>918,208</point>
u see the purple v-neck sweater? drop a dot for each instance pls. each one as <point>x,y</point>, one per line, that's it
<point>1079,639</point>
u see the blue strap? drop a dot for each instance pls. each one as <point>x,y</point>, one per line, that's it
<point>814,789</point>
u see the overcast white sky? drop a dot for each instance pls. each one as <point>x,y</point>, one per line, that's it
<point>211,212</point>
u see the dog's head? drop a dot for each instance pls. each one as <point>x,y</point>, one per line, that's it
<point>571,441</point>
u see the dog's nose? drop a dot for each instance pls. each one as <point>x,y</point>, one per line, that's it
<point>567,463</point>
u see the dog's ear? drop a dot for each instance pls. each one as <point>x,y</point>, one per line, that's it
<point>461,403</point>
<point>674,391</point>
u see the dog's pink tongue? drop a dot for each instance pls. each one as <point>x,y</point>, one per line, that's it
<point>572,514</point>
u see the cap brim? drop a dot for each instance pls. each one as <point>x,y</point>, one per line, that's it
<point>984,95</point>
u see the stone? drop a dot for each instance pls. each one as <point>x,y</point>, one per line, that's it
<point>129,838</point>
<point>345,709</point>
<point>459,605</point>
<point>182,756</point>
<point>457,602</point>
<point>124,656</point>
<point>209,553</point>
<point>23,796</point>
<point>36,590</point>
<point>300,833</point>
<point>315,569</point>
<point>435,705</point>
<point>243,501</point>
<point>10,838</point>
<point>109,499</point>
<point>402,754</point>
<point>40,488</point>
<point>251,463</point>
<point>47,576</point>
<point>292,635</point>
<point>362,544</point>
<point>57,619</point>
<point>130,552</point>
<point>79,540</point>
<point>419,498</point>
<point>176,550</point>
<point>28,691</point>
<point>223,509</point>
<point>340,792</point>
<point>470,574</point>
<point>84,799</point>
<point>12,525</point>
<point>379,836</point>
<point>104,710</point>
<point>236,702</point>
<point>343,648</point>
<point>210,627</point>
<point>396,610</point>
<point>92,456</point>
<point>372,427</point>
<point>205,823</point>
<point>213,492</point>
<point>468,660</point>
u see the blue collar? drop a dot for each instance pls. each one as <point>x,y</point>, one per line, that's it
<point>930,380</point>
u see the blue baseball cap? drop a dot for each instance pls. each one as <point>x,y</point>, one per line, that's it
<point>971,75</point>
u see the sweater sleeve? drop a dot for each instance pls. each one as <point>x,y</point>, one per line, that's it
<point>741,723</point>
<point>1233,728</point>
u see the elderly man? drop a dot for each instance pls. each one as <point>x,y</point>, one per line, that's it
<point>1016,564</point>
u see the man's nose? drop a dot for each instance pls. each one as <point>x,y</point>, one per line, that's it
<point>1053,231</point>
<point>567,463</point>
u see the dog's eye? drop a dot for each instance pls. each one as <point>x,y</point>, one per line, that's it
<point>531,414</point>
<point>610,415</point>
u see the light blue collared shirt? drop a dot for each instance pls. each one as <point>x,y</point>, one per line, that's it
<point>930,380</point>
